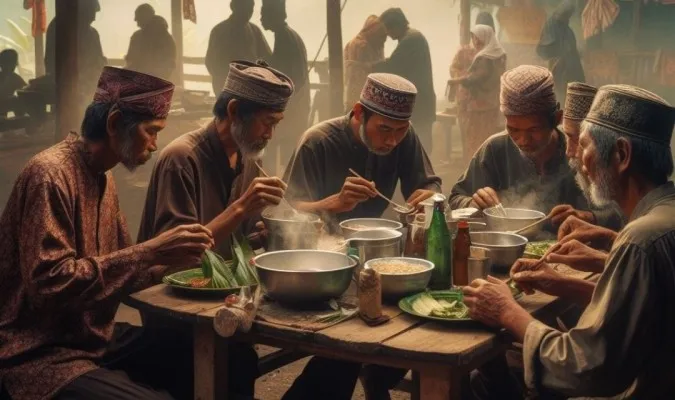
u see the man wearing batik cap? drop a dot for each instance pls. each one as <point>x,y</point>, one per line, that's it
<point>377,141</point>
<point>525,166</point>
<point>66,259</point>
<point>623,344</point>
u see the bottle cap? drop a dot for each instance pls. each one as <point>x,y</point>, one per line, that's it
<point>463,224</point>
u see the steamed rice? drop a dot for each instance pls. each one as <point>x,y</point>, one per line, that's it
<point>396,267</point>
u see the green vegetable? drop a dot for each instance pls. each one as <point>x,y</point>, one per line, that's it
<point>242,253</point>
<point>440,307</point>
<point>214,267</point>
<point>538,249</point>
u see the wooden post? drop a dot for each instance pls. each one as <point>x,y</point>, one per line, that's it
<point>177,32</point>
<point>464,22</point>
<point>67,74</point>
<point>39,54</point>
<point>335,68</point>
<point>637,18</point>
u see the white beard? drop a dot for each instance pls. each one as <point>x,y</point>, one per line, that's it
<point>582,181</point>
<point>366,141</point>
<point>601,192</point>
<point>251,151</point>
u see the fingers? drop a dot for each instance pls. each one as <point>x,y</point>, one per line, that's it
<point>569,225</point>
<point>486,198</point>
<point>560,213</point>
<point>523,264</point>
<point>360,185</point>
<point>273,181</point>
<point>495,281</point>
<point>419,196</point>
<point>493,195</point>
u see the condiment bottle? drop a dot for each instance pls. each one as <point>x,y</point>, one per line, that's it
<point>416,241</point>
<point>462,251</point>
<point>438,247</point>
<point>370,294</point>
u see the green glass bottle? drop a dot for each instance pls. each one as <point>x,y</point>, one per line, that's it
<point>439,250</point>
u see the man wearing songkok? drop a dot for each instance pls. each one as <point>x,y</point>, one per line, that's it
<point>525,166</point>
<point>622,345</point>
<point>377,141</point>
<point>66,260</point>
<point>209,177</point>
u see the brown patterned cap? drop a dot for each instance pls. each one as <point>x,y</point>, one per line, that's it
<point>634,112</point>
<point>527,90</point>
<point>259,83</point>
<point>578,101</point>
<point>135,91</point>
<point>389,95</point>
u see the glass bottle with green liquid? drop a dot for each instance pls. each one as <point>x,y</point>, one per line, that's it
<point>439,247</point>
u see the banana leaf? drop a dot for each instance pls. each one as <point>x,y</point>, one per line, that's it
<point>19,35</point>
<point>241,256</point>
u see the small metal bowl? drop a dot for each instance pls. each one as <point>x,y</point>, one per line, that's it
<point>352,226</point>
<point>396,286</point>
<point>516,218</point>
<point>505,248</point>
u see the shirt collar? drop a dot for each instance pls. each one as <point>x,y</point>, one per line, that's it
<point>652,199</point>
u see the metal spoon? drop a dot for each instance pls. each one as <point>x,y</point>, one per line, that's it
<point>266,175</point>
<point>397,207</point>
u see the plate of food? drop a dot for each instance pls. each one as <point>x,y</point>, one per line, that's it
<point>536,250</point>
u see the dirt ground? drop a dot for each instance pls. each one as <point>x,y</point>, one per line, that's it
<point>16,149</point>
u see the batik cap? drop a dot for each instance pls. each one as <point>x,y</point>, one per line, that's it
<point>258,83</point>
<point>135,91</point>
<point>527,90</point>
<point>633,111</point>
<point>389,95</point>
<point>577,103</point>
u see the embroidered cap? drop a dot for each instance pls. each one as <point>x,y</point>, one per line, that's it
<point>259,83</point>
<point>389,95</point>
<point>527,90</point>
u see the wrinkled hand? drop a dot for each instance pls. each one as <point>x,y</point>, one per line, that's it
<point>579,256</point>
<point>560,213</point>
<point>488,300</point>
<point>485,198</point>
<point>595,236</point>
<point>181,246</point>
<point>354,191</point>
<point>419,196</point>
<point>263,192</point>
<point>530,275</point>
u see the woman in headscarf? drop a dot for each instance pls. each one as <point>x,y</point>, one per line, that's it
<point>558,45</point>
<point>478,113</point>
<point>366,49</point>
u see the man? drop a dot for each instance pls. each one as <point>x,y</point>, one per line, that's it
<point>412,60</point>
<point>376,140</point>
<point>152,49</point>
<point>66,260</point>
<point>290,57</point>
<point>525,165</point>
<point>234,39</point>
<point>558,46</point>
<point>360,53</point>
<point>622,345</point>
<point>209,177</point>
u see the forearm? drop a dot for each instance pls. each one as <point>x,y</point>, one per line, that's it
<point>330,205</point>
<point>580,291</point>
<point>515,320</point>
<point>457,201</point>
<point>226,222</point>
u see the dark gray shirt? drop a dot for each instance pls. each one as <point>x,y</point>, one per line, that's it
<point>325,153</point>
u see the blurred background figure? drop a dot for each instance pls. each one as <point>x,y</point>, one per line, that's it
<point>236,38</point>
<point>10,82</point>
<point>558,46</point>
<point>360,53</point>
<point>152,49</point>
<point>321,103</point>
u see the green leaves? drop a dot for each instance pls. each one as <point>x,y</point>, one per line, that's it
<point>224,275</point>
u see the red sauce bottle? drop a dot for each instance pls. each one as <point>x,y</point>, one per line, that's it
<point>461,253</point>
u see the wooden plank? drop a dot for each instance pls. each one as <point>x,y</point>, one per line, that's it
<point>440,384</point>
<point>464,22</point>
<point>161,300</point>
<point>210,363</point>
<point>335,67</point>
<point>177,33</point>
<point>67,73</point>
<point>39,40</point>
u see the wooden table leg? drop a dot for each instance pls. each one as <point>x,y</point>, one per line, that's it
<point>440,384</point>
<point>210,363</point>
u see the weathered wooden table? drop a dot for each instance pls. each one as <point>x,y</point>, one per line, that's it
<point>440,354</point>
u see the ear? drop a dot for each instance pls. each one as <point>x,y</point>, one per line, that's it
<point>111,123</point>
<point>623,154</point>
<point>358,112</point>
<point>558,117</point>
<point>232,108</point>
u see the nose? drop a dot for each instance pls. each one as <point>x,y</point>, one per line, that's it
<point>390,141</point>
<point>571,149</point>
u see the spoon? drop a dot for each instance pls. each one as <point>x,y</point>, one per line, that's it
<point>397,207</point>
<point>521,230</point>
<point>266,175</point>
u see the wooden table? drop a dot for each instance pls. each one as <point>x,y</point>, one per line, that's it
<point>440,354</point>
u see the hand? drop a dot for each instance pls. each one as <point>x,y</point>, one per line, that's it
<point>354,191</point>
<point>485,198</point>
<point>489,300</point>
<point>181,246</point>
<point>594,236</point>
<point>263,192</point>
<point>419,196</point>
<point>579,256</point>
<point>560,213</point>
<point>258,239</point>
<point>530,275</point>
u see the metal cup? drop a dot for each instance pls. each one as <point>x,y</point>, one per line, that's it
<point>479,263</point>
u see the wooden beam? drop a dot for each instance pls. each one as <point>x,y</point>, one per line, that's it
<point>637,19</point>
<point>39,43</point>
<point>177,32</point>
<point>464,22</point>
<point>335,68</point>
<point>67,73</point>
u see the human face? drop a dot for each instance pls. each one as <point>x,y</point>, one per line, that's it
<point>380,134</point>
<point>395,33</point>
<point>598,174</point>
<point>253,133</point>
<point>573,152</point>
<point>477,44</point>
<point>135,148</point>
<point>531,133</point>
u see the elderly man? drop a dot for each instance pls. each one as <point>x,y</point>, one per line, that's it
<point>377,141</point>
<point>526,164</point>
<point>66,259</point>
<point>622,345</point>
<point>209,177</point>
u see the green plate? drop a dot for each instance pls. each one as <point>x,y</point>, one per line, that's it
<point>179,282</point>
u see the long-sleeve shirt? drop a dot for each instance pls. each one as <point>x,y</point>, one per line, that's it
<point>328,150</point>
<point>65,266</point>
<point>622,346</point>
<point>152,51</point>
<point>500,165</point>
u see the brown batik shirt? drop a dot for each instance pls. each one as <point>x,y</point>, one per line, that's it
<point>65,265</point>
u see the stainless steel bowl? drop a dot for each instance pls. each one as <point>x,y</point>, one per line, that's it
<point>395,286</point>
<point>352,226</point>
<point>505,248</point>
<point>515,219</point>
<point>290,231</point>
<point>301,276</point>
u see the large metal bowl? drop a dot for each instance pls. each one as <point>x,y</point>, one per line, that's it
<point>290,230</point>
<point>396,286</point>
<point>302,276</point>
<point>505,248</point>
<point>516,218</point>
<point>352,226</point>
